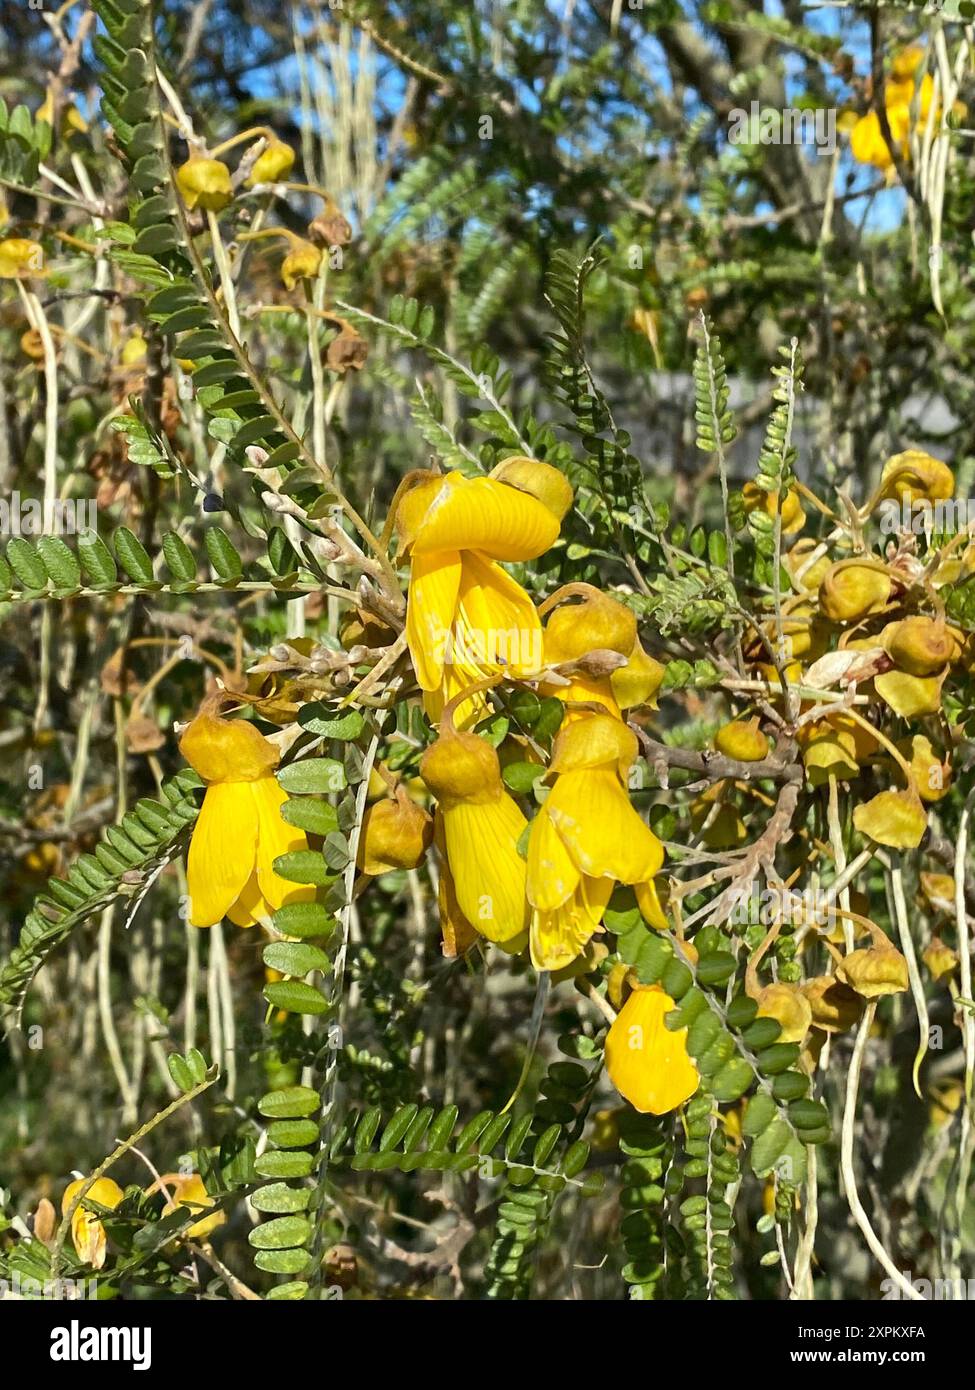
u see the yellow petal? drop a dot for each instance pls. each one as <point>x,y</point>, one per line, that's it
<point>276,837</point>
<point>87,1232</point>
<point>488,871</point>
<point>647,1063</point>
<point>552,876</point>
<point>223,851</point>
<point>910,695</point>
<point>498,627</point>
<point>430,610</point>
<point>892,818</point>
<point>601,830</point>
<point>483,514</point>
<point>559,937</point>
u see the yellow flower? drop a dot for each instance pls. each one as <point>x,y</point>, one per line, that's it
<point>205,183</point>
<point>598,623</point>
<point>187,1190</point>
<point>134,351</point>
<point>586,838</point>
<point>481,826</point>
<point>867,142</point>
<point>915,476</point>
<point>742,739</point>
<point>272,164</point>
<point>239,833</point>
<point>921,646</point>
<point>87,1232</point>
<point>854,588</point>
<point>301,263</point>
<point>790,1008</point>
<point>396,834</point>
<point>834,1006</point>
<point>793,517</point>
<point>20,257</point>
<point>940,958</point>
<point>466,618</point>
<point>71,118</point>
<point>646,1062</point>
<point>875,971</point>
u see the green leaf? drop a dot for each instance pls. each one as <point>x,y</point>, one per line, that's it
<point>133,556</point>
<point>312,776</point>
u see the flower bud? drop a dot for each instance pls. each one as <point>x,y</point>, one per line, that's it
<point>743,740</point>
<point>875,971</point>
<point>940,958</point>
<point>396,834</point>
<point>204,183</point>
<point>301,263</point>
<point>272,164</point>
<point>853,589</point>
<point>921,646</point>
<point>790,1009</point>
<point>539,480</point>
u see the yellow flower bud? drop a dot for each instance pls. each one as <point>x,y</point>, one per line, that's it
<point>921,646</point>
<point>939,891</point>
<point>204,183</point>
<point>894,818</point>
<point>20,258</point>
<point>852,589</point>
<point>790,1009</point>
<point>646,1062</point>
<point>875,971</point>
<point>538,479</point>
<point>806,575</point>
<point>302,262</point>
<point>187,1190</point>
<point>396,834</point>
<point>743,740</point>
<point>272,164</point>
<point>940,958</point>
<point>134,351</point>
<point>834,1006</point>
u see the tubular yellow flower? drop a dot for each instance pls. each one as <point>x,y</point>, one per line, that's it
<point>87,1232</point>
<point>204,183</point>
<point>586,838</point>
<point>915,476</point>
<point>272,164</point>
<point>240,832</point>
<point>187,1190</point>
<point>647,1063</point>
<point>466,618</point>
<point>481,826</point>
